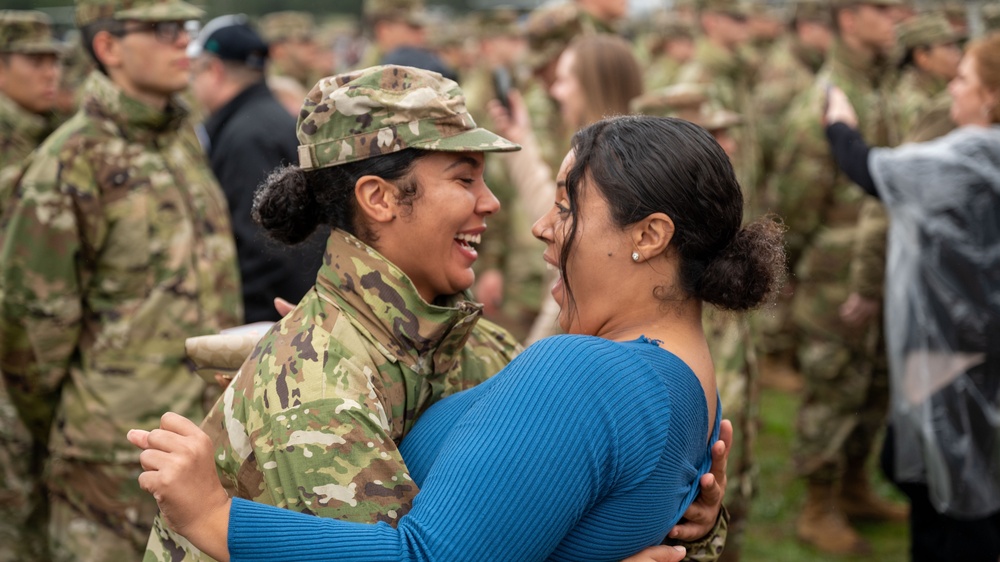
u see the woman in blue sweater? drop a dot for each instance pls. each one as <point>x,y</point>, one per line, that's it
<point>587,446</point>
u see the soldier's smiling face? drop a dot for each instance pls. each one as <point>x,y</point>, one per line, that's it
<point>433,238</point>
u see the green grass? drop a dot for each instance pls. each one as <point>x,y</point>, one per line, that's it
<point>770,534</point>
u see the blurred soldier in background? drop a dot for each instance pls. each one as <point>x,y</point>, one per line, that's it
<point>767,24</point>
<point>671,46</point>
<point>29,80</point>
<point>116,247</point>
<point>930,60</point>
<point>724,63</point>
<point>839,273</point>
<point>789,70</point>
<point>291,38</point>
<point>249,134</point>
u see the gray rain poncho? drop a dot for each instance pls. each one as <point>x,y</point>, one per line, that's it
<point>942,302</point>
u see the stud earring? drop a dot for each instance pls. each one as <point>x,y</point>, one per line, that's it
<point>635,256</point>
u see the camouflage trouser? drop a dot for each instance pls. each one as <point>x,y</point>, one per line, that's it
<point>777,332</point>
<point>99,512</point>
<point>23,506</point>
<point>844,405</point>
<point>736,375</point>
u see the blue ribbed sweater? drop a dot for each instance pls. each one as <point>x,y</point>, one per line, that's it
<point>581,449</point>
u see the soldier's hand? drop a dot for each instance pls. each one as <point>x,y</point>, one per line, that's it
<point>179,471</point>
<point>659,553</point>
<point>858,311</point>
<point>514,125</point>
<point>702,514</point>
<point>839,108</point>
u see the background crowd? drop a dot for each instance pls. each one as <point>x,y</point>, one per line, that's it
<point>130,150</point>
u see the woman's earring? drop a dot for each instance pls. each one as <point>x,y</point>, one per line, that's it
<point>635,257</point>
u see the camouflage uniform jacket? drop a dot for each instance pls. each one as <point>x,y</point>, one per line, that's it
<point>313,418</point>
<point>729,77</point>
<point>21,131</point>
<point>821,206</point>
<point>115,249</point>
<point>924,106</point>
<point>789,70</point>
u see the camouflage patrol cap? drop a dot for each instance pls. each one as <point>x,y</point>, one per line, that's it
<point>287,26</point>
<point>991,17</point>
<point>550,29</point>
<point>499,22</point>
<point>90,11</point>
<point>926,30</point>
<point>409,11</point>
<point>686,101</point>
<point>837,4</point>
<point>382,109</point>
<point>27,32</point>
<point>735,8</point>
<point>812,10</point>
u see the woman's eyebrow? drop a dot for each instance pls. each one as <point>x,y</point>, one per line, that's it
<point>464,160</point>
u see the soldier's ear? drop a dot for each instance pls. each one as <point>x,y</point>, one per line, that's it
<point>107,49</point>
<point>652,235</point>
<point>376,199</point>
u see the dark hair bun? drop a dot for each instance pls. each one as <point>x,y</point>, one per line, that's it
<point>285,207</point>
<point>747,272</point>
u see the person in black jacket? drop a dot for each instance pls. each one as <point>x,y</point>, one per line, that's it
<point>247,135</point>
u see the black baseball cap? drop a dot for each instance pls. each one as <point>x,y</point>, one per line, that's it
<point>231,38</point>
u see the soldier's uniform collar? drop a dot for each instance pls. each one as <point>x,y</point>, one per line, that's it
<point>19,122</point>
<point>382,302</point>
<point>873,69</point>
<point>927,83</point>
<point>135,120</point>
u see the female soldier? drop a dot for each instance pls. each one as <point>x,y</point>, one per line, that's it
<point>391,161</point>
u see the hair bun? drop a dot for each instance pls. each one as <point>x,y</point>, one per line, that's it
<point>285,207</point>
<point>749,270</point>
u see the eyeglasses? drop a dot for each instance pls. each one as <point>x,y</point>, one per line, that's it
<point>165,31</point>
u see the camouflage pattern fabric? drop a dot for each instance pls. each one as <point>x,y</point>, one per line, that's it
<point>287,26</point>
<point>730,78</point>
<point>26,31</point>
<point>917,94</point>
<point>832,255</point>
<point>358,115</point>
<point>313,419</point>
<point>116,248</point>
<point>736,375</point>
<point>22,500</point>
<point>90,11</point>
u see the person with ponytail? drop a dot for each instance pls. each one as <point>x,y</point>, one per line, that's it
<point>586,446</point>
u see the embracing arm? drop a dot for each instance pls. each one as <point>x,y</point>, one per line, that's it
<point>492,481</point>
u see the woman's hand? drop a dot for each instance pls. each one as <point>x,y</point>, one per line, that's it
<point>702,514</point>
<point>515,124</point>
<point>839,109</point>
<point>180,473</point>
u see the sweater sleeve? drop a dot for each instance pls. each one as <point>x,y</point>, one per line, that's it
<point>851,153</point>
<point>551,439</point>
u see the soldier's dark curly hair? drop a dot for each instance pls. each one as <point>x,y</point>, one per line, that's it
<point>643,165</point>
<point>291,203</point>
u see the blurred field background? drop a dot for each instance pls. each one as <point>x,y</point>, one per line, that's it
<point>771,528</point>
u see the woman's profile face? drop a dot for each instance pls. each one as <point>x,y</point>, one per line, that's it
<point>567,90</point>
<point>968,96</point>
<point>433,242</point>
<point>600,249</point>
